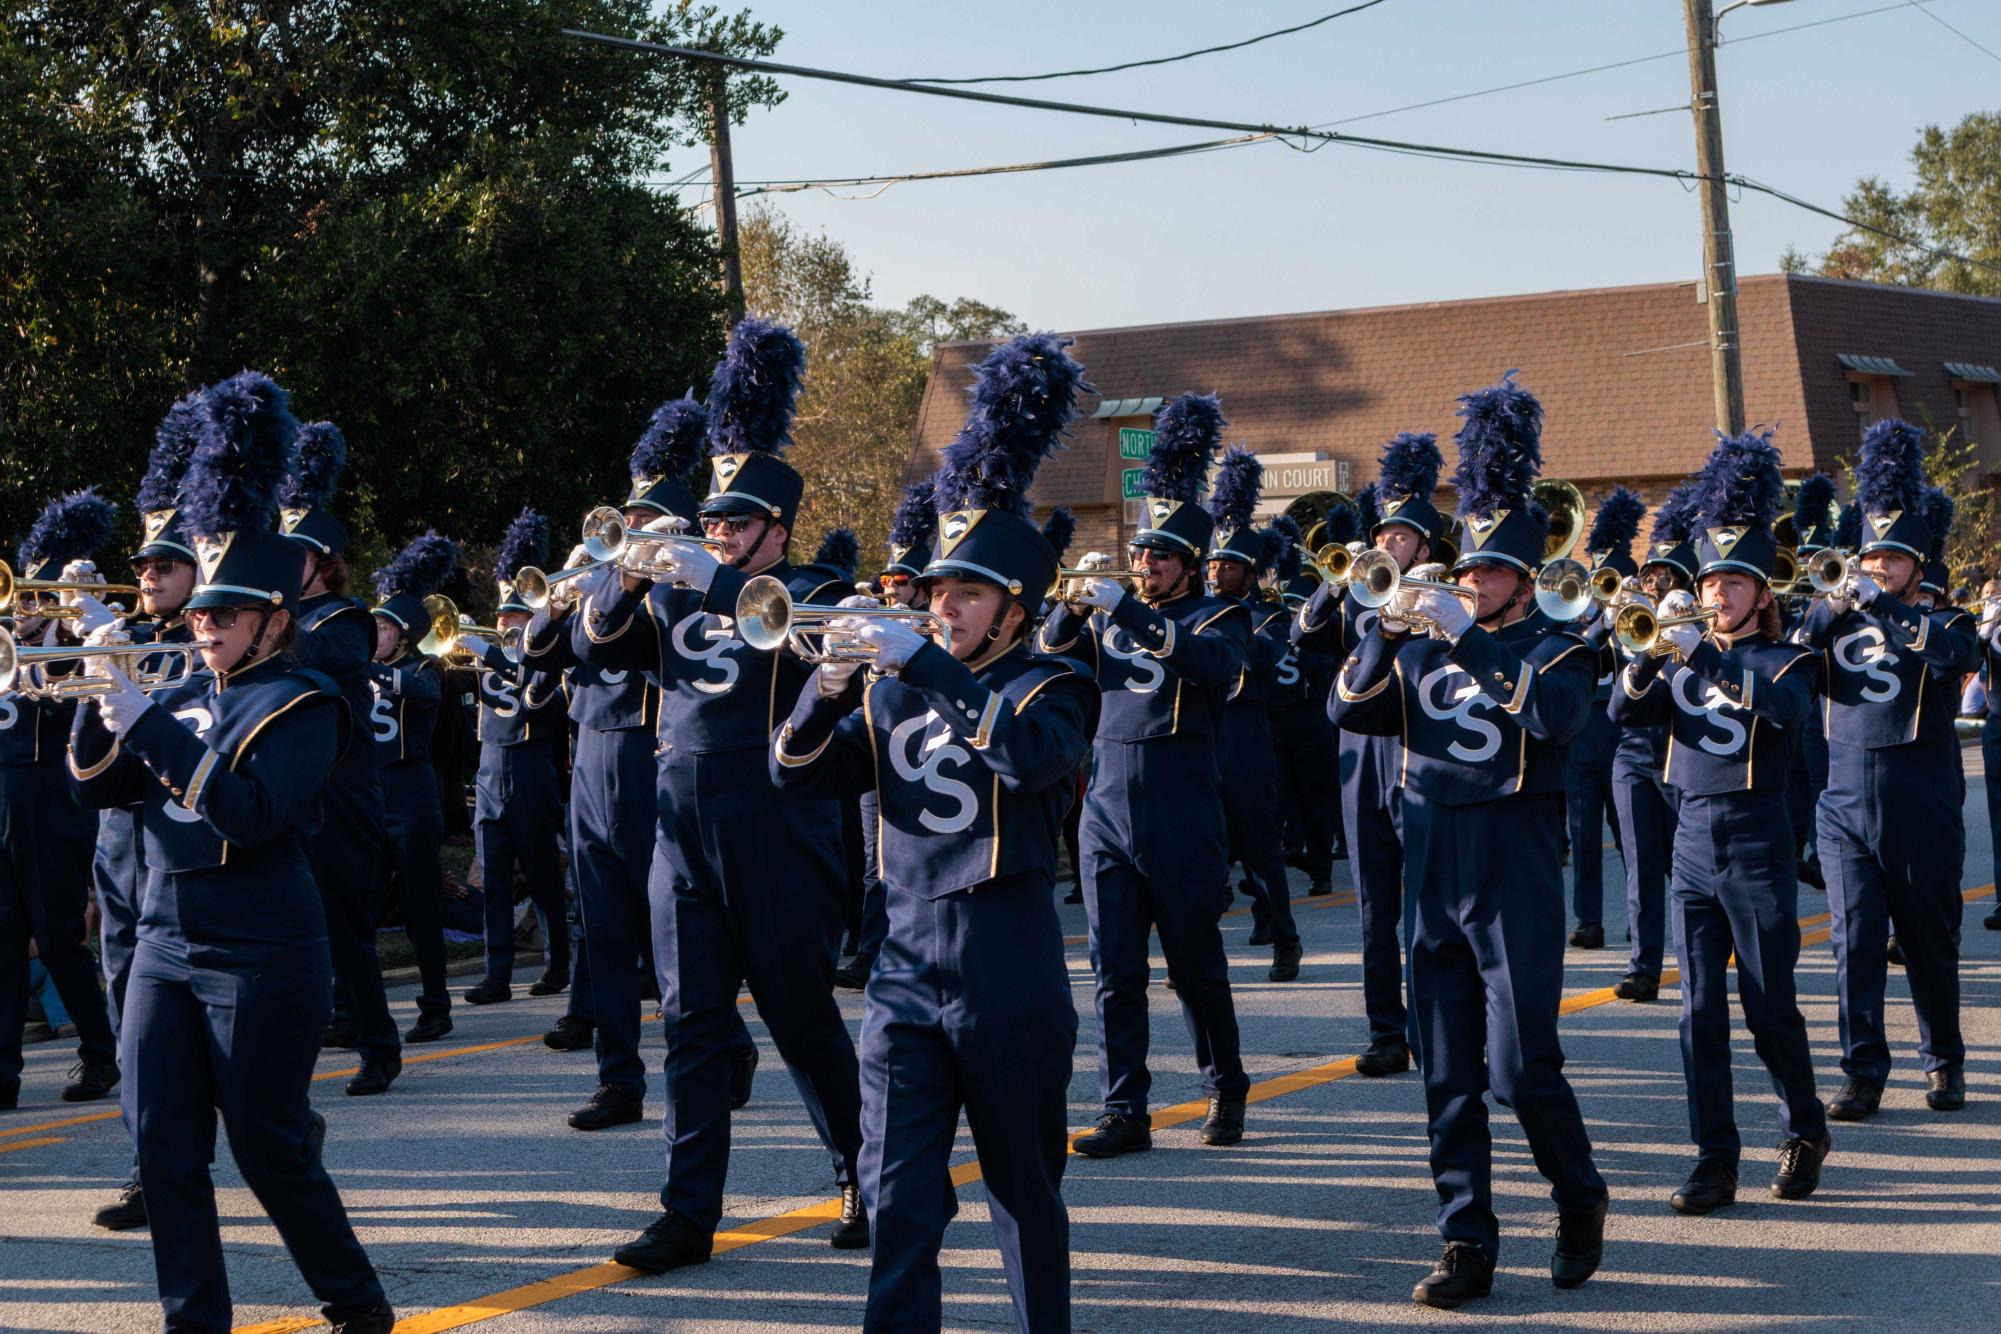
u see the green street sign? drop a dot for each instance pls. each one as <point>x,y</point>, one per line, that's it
<point>1134,442</point>
<point>1129,483</point>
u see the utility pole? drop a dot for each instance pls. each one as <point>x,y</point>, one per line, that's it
<point>1719,260</point>
<point>722,176</point>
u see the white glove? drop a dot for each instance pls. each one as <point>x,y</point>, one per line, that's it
<point>892,641</point>
<point>1095,560</point>
<point>120,706</point>
<point>832,678</point>
<point>1685,638</point>
<point>1104,594</point>
<point>858,601</point>
<point>1867,590</point>
<point>1678,603</point>
<point>1452,615</point>
<point>687,564</point>
<point>470,646</point>
<point>79,572</point>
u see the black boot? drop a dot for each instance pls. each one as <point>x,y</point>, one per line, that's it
<point>608,1107</point>
<point>669,1242</point>
<point>126,1212</point>
<point>341,1036</point>
<point>93,1079</point>
<point>851,1233</point>
<point>377,1074</point>
<point>1992,921</point>
<point>1708,1188</point>
<point>853,975</point>
<point>1799,1167</point>
<point>430,1026</point>
<point>1464,1274</point>
<point>1588,937</point>
<point>1580,1245</point>
<point>1225,1123</point>
<point>1284,961</point>
<point>1808,873</point>
<point>1076,894</point>
<point>1260,930</point>
<point>553,982</point>
<point>379,1321</point>
<point>1858,1098</point>
<point>1319,889</point>
<point>1947,1091</point>
<point>1385,1056</point>
<point>1638,987</point>
<point>571,1034</point>
<point>1115,1134</point>
<point>743,1072</point>
<point>490,991</point>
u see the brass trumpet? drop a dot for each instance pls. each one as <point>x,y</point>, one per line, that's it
<point>1070,582</point>
<point>447,625</point>
<point>607,538</point>
<point>1332,563</point>
<point>1606,581</point>
<point>1374,580</point>
<point>21,668</point>
<point>767,618</point>
<point>35,597</point>
<point>1786,571</point>
<point>1638,628</point>
<point>1832,573</point>
<point>537,589</point>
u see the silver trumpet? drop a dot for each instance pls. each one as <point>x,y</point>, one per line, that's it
<point>22,669</point>
<point>1564,589</point>
<point>1832,573</point>
<point>608,538</point>
<point>1376,581</point>
<point>538,589</point>
<point>767,617</point>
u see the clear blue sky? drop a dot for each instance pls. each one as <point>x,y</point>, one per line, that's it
<point>1265,229</point>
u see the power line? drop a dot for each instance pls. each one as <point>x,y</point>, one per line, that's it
<point>1954,31</point>
<point>1161,60</point>
<point>1058,164</point>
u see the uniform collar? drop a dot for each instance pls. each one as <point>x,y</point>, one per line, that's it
<point>224,680</point>
<point>986,661</point>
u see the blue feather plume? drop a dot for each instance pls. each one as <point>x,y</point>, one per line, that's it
<point>1848,528</point>
<point>755,387</point>
<point>1343,525</point>
<point>1674,518</point>
<point>1815,494</point>
<point>1289,559</point>
<point>671,444</point>
<point>1890,473</point>
<point>1239,482</point>
<point>1368,510</point>
<point>174,442</point>
<point>1186,433</point>
<point>1617,522</point>
<point>1500,448</point>
<point>419,569</point>
<point>1741,483</point>
<point>247,438</point>
<point>72,527</point>
<point>1060,530</point>
<point>1410,466</point>
<point>316,468</point>
<point>526,543</point>
<point>840,548</point>
<point>1024,397</point>
<point>1937,509</point>
<point>916,517</point>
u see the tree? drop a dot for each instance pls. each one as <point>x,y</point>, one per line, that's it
<point>1954,206</point>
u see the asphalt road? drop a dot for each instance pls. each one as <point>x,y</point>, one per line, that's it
<point>465,1184</point>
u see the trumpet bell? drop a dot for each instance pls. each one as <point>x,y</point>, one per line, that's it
<point>1373,578</point>
<point>444,626</point>
<point>1333,562</point>
<point>604,534</point>
<point>1831,571</point>
<point>24,597</point>
<point>1785,570</point>
<point>764,613</point>
<point>1563,589</point>
<point>1606,581</point>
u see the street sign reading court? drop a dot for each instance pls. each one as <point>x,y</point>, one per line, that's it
<point>1135,442</point>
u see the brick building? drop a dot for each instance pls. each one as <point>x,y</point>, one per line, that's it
<point>1623,374</point>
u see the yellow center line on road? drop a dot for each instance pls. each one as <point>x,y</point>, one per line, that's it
<point>593,1277</point>
<point>30,1144</point>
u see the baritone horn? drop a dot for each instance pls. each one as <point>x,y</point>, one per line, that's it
<point>1638,628</point>
<point>767,618</point>
<point>1565,504</point>
<point>20,668</point>
<point>27,597</point>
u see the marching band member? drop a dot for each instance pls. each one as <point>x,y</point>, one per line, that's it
<point>1731,693</point>
<point>827,579</point>
<point>1153,840</point>
<point>46,838</point>
<point>231,984</point>
<point>1587,769</point>
<point>1303,740</point>
<point>517,801</point>
<point>1989,629</point>
<point>744,885</point>
<point>1813,529</point>
<point>969,1002</point>
<point>1244,743</point>
<point>408,687</point>
<point>1892,840</point>
<point>1409,528</point>
<point>337,639</point>
<point>1486,707</point>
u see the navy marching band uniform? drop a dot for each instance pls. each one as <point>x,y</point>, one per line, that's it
<point>1303,738</point>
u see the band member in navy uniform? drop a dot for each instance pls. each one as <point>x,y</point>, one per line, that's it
<point>1153,840</point>
<point>1587,770</point>
<point>1303,739</point>
<point>47,840</point>
<point>969,1003</point>
<point>1989,628</point>
<point>1813,530</point>
<point>231,987</point>
<point>1732,692</point>
<point>164,569</point>
<point>827,579</point>
<point>1244,745</point>
<point>408,688</point>
<point>745,883</point>
<point>1486,704</point>
<point>1892,839</point>
<point>1410,529</point>
<point>517,803</point>
<point>337,639</point>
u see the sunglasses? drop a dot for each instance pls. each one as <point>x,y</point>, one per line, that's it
<point>894,580</point>
<point>732,523</point>
<point>160,566</point>
<point>218,618</point>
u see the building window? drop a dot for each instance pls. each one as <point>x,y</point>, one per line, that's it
<point>1873,397</point>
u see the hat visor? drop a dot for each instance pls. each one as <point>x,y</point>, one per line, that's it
<point>1493,559</point>
<point>164,551</point>
<point>227,596</point>
<point>958,569</point>
<point>1733,567</point>
<point>728,503</point>
<point>1152,539</point>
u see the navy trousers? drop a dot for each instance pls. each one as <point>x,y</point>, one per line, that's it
<point>1250,815</point>
<point>1484,913</point>
<point>115,870</point>
<point>1588,805</point>
<point>1892,845</point>
<point>1371,808</point>
<point>517,813</point>
<point>612,821</point>
<point>968,1007</point>
<point>347,858</point>
<point>414,824</point>
<point>868,926</point>
<point>1308,788</point>
<point>239,1041</point>
<point>1646,808</point>
<point>745,886</point>
<point>1153,843</point>
<point>1990,756</point>
<point>1736,892</point>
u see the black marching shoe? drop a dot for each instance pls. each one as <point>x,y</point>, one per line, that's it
<point>1385,1056</point>
<point>341,1036</point>
<point>1260,932</point>
<point>851,1233</point>
<point>1340,852</point>
<point>1225,1122</point>
<point>1588,937</point>
<point>126,1212</point>
<point>1947,1091</point>
<point>430,1026</point>
<point>571,1034</point>
<point>1115,1134</point>
<point>1285,956</point>
<point>853,975</point>
<point>1463,1274</point>
<point>1319,889</point>
<point>10,1098</point>
<point>377,1074</point>
<point>1858,1098</point>
<point>669,1242</point>
<point>1992,921</point>
<point>1808,873</point>
<point>1580,1245</point>
<point>1076,894</point>
<point>1708,1188</point>
<point>1799,1167</point>
<point>379,1321</point>
<point>743,1070</point>
<point>490,991</point>
<point>608,1107</point>
<point>1637,987</point>
<point>1895,953</point>
<point>93,1079</point>
<point>553,982</point>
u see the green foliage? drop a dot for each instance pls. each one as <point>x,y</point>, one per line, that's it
<point>1954,466</point>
